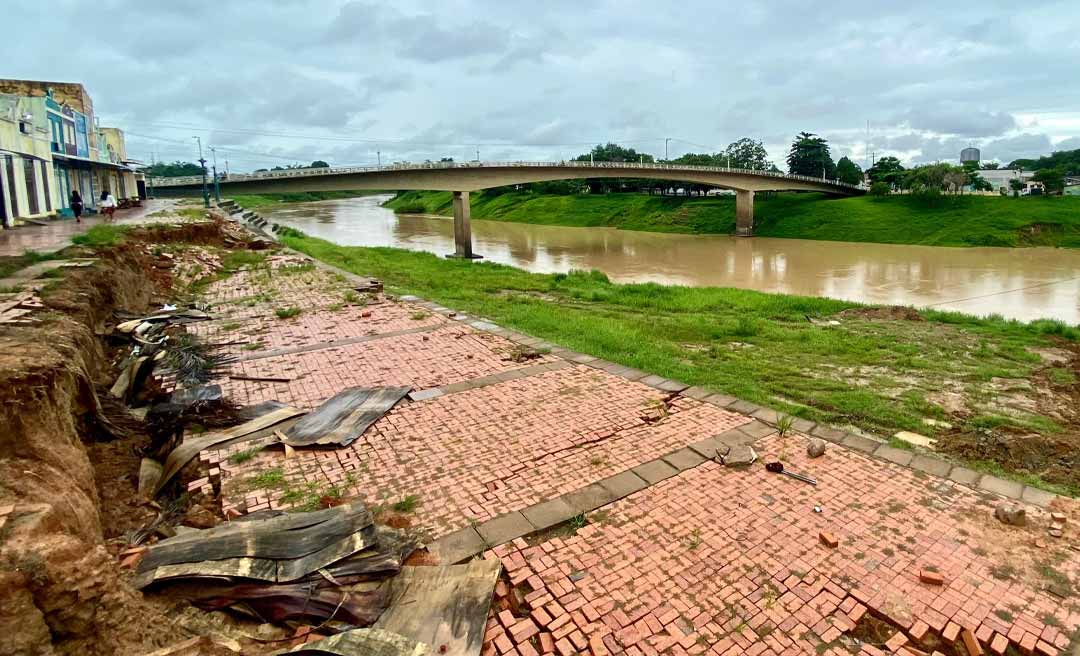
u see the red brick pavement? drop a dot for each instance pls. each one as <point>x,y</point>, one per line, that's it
<point>723,561</point>
<point>485,451</point>
<point>58,233</point>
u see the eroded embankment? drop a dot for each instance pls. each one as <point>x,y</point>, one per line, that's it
<point>62,589</point>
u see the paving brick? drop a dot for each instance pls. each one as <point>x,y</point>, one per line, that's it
<point>745,407</point>
<point>757,429</point>
<point>767,415</point>
<point>721,400</point>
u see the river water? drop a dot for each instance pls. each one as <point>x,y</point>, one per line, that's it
<point>1019,283</point>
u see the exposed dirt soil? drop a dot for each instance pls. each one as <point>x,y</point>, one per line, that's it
<point>68,469</point>
<point>889,313</point>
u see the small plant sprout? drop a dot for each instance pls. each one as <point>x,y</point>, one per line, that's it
<point>783,424</point>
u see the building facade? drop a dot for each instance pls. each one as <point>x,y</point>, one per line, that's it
<point>51,145</point>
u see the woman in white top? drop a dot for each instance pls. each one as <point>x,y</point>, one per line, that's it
<point>108,205</point>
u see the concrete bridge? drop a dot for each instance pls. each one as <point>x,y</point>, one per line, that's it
<point>463,177</point>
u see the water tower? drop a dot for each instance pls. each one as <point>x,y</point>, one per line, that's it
<point>969,155</point>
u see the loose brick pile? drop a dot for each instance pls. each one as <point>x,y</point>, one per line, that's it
<point>724,561</point>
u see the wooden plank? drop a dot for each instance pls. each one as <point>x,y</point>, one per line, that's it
<point>445,607</point>
<point>345,416</point>
<point>182,455</point>
<point>149,475</point>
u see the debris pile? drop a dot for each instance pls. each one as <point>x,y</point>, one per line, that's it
<point>15,310</point>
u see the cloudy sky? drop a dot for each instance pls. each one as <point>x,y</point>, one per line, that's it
<point>277,81</point>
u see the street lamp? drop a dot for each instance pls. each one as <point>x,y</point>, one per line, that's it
<point>217,186</point>
<point>202,163</point>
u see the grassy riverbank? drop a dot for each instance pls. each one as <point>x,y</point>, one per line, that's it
<point>257,201</point>
<point>880,370</point>
<point>945,221</point>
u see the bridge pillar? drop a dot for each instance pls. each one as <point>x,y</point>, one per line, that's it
<point>462,227</point>
<point>744,213</point>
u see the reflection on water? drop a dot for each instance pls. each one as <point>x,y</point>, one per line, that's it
<point>1026,283</point>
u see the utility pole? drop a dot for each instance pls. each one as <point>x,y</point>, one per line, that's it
<point>378,157</point>
<point>666,142</point>
<point>150,178</point>
<point>868,164</point>
<point>478,153</point>
<point>217,186</point>
<point>202,163</point>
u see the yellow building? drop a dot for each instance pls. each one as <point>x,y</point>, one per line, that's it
<point>51,146</point>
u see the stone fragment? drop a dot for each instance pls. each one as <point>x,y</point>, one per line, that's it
<point>932,578</point>
<point>739,455</point>
<point>1057,517</point>
<point>970,643</point>
<point>815,448</point>
<point>828,539</point>
<point>1055,531</point>
<point>1011,513</point>
<point>916,439</point>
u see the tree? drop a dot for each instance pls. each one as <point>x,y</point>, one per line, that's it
<point>880,189</point>
<point>886,169</point>
<point>747,153</point>
<point>177,168</point>
<point>1017,185</point>
<point>1052,179</point>
<point>1066,160</point>
<point>978,183</point>
<point>319,164</point>
<point>990,166</point>
<point>848,171</point>
<point>810,156</point>
<point>611,152</point>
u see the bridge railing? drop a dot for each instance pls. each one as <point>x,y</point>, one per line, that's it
<point>639,166</point>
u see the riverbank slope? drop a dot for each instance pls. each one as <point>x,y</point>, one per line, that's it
<point>998,395</point>
<point>943,221</point>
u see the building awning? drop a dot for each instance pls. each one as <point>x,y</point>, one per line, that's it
<point>83,160</point>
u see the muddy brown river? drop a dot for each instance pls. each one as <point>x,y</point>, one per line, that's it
<point>1019,283</point>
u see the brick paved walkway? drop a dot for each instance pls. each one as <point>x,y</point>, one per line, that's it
<point>729,562</point>
<point>702,560</point>
<point>58,233</point>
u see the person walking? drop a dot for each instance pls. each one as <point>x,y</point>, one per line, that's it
<point>108,205</point>
<point>76,205</point>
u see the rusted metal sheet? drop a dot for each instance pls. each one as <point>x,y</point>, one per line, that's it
<point>182,455</point>
<point>279,549</point>
<point>369,642</point>
<point>444,607</point>
<point>345,416</point>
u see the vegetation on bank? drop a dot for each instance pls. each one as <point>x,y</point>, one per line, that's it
<point>822,359</point>
<point>257,201</point>
<point>899,219</point>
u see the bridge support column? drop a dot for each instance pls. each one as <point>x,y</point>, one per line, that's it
<point>462,227</point>
<point>744,213</point>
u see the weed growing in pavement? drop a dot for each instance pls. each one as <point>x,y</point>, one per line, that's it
<point>694,541</point>
<point>578,521</point>
<point>253,346</point>
<point>408,504</point>
<point>230,325</point>
<point>10,289</point>
<point>419,316</point>
<point>287,312</point>
<point>1004,572</point>
<point>1058,583</point>
<point>243,456</point>
<point>352,298</point>
<point>783,424</point>
<point>1004,614</point>
<point>336,307</point>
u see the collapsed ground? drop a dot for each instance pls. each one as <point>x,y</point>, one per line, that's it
<point>690,558</point>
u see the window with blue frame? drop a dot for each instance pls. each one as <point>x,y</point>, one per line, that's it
<point>56,125</point>
<point>82,145</point>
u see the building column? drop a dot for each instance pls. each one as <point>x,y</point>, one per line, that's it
<point>744,213</point>
<point>462,227</point>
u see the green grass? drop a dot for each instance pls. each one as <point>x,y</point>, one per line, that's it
<point>256,201</point>
<point>873,374</point>
<point>287,313</point>
<point>101,236</point>
<point>408,504</point>
<point>945,221</point>
<point>10,264</point>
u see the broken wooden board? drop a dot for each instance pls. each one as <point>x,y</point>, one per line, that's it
<point>279,549</point>
<point>179,457</point>
<point>444,607</point>
<point>370,642</point>
<point>345,416</point>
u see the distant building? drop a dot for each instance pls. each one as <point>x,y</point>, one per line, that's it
<point>1001,178</point>
<point>50,144</point>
